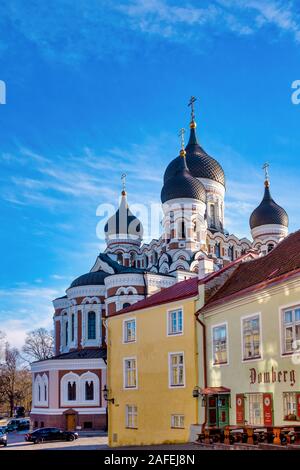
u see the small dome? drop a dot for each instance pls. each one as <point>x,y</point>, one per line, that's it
<point>182,184</point>
<point>268,212</point>
<point>90,279</point>
<point>200,164</point>
<point>123,222</point>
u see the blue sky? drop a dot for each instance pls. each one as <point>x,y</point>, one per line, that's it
<point>99,87</point>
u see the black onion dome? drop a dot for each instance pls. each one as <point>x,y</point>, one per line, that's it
<point>123,221</point>
<point>90,279</point>
<point>200,164</point>
<point>182,185</point>
<point>268,212</point>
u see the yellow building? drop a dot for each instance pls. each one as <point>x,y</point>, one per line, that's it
<point>152,368</point>
<point>252,334</point>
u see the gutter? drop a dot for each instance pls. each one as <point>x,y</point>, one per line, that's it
<point>204,361</point>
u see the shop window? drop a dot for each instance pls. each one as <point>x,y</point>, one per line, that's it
<point>176,369</point>
<point>177,421</point>
<point>251,338</point>
<point>220,344</point>
<point>175,322</point>
<point>91,325</point>
<point>129,330</point>
<point>291,406</point>
<point>131,416</point>
<point>291,329</point>
<point>130,375</point>
<point>256,409</point>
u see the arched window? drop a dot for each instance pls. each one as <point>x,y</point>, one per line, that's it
<point>132,259</point>
<point>39,392</point>
<point>270,247</point>
<point>120,258</point>
<point>231,253</point>
<point>181,229</point>
<point>72,327</point>
<point>66,332</point>
<point>71,391</point>
<point>89,390</point>
<point>218,250</point>
<point>45,392</point>
<point>212,215</point>
<point>126,304</point>
<point>91,325</point>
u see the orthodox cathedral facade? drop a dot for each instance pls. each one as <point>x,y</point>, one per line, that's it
<point>69,389</point>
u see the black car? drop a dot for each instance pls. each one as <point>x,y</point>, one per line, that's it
<point>3,438</point>
<point>50,434</point>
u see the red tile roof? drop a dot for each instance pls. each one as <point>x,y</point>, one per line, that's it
<point>282,262</point>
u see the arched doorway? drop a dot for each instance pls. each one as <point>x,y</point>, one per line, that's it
<point>70,420</point>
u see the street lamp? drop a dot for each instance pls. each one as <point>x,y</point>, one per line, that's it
<point>106,394</point>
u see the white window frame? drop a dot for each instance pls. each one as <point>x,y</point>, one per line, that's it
<point>282,310</point>
<point>216,364</point>
<point>134,413</point>
<point>248,317</point>
<point>125,340</point>
<point>169,311</point>
<point>125,387</point>
<point>285,396</point>
<point>170,354</point>
<point>173,421</point>
<point>250,397</point>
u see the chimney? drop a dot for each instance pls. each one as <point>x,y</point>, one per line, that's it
<point>205,267</point>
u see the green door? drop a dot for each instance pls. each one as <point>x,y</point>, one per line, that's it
<point>218,410</point>
<point>223,410</point>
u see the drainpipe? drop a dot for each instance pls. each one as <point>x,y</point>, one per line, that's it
<point>204,362</point>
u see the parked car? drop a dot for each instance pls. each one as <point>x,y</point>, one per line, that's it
<point>23,424</point>
<point>3,438</point>
<point>11,426</point>
<point>50,434</point>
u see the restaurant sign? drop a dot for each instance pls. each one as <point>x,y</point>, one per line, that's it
<point>272,376</point>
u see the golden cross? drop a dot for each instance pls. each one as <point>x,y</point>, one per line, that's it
<point>181,135</point>
<point>123,178</point>
<point>191,104</point>
<point>266,168</point>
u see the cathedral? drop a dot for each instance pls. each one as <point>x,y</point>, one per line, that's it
<point>69,389</point>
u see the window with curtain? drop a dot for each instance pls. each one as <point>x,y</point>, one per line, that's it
<point>130,373</point>
<point>251,337</point>
<point>176,370</point>
<point>91,325</point>
<point>291,329</point>
<point>89,390</point>
<point>220,344</point>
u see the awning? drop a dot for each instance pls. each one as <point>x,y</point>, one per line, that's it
<point>214,390</point>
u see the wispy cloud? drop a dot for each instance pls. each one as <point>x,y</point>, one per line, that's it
<point>74,31</point>
<point>26,308</point>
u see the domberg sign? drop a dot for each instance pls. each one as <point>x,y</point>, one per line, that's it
<point>272,376</point>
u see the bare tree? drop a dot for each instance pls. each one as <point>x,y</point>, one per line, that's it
<point>2,345</point>
<point>14,380</point>
<point>39,345</point>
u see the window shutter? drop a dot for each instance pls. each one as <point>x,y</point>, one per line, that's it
<point>240,408</point>
<point>298,404</point>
